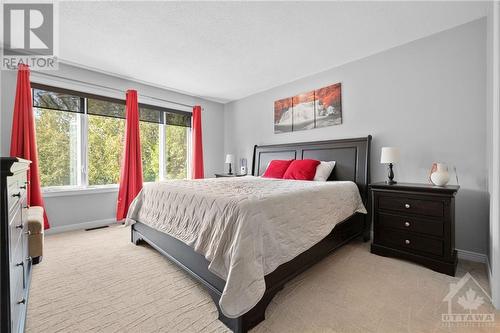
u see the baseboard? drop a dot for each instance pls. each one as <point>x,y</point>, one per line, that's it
<point>79,226</point>
<point>472,256</point>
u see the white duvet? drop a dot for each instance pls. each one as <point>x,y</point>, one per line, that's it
<point>245,226</point>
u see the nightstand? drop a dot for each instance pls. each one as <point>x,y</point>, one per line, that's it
<point>415,222</point>
<point>219,175</point>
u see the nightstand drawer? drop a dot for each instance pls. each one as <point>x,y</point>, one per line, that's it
<point>407,241</point>
<point>413,206</point>
<point>411,224</point>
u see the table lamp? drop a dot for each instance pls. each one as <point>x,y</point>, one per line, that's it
<point>390,155</point>
<point>230,160</point>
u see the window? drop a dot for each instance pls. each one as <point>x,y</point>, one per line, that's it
<point>57,137</point>
<point>150,125</point>
<point>80,139</point>
<point>106,131</point>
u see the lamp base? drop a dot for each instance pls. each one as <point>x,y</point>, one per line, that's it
<point>391,180</point>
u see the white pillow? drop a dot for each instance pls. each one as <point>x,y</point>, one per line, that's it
<point>324,170</point>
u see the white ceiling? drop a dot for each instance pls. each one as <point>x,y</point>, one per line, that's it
<point>228,50</point>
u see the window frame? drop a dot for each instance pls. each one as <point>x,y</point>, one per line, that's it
<point>83,186</point>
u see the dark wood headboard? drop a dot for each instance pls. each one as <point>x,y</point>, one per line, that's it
<point>352,157</point>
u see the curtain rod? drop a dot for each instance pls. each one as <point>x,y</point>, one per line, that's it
<point>110,88</point>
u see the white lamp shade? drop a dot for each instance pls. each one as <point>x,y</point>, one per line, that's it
<point>229,158</point>
<point>389,155</point>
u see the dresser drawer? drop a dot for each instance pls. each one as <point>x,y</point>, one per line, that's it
<point>411,205</point>
<point>14,195</point>
<point>16,303</point>
<point>407,241</point>
<point>15,225</point>
<point>411,224</point>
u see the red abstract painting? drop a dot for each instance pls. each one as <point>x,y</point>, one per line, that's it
<point>283,115</point>
<point>313,109</point>
<point>328,106</point>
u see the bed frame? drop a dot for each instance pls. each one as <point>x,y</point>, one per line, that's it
<point>352,158</point>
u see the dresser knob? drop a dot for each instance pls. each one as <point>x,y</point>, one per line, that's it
<point>28,258</point>
<point>17,195</point>
<point>407,206</point>
<point>20,226</point>
<point>407,224</point>
<point>27,232</point>
<point>407,241</point>
<point>23,187</point>
<point>22,301</point>
<point>20,264</point>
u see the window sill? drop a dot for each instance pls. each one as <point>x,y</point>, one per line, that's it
<point>63,191</point>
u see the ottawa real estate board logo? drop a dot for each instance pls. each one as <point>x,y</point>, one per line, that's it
<point>29,36</point>
<point>468,305</point>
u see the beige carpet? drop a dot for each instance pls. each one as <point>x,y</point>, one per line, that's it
<point>97,281</point>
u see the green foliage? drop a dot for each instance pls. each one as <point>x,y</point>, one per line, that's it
<point>58,148</point>
<point>150,151</point>
<point>176,152</point>
<point>105,149</point>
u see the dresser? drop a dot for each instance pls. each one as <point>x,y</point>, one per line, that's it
<point>15,263</point>
<point>415,222</point>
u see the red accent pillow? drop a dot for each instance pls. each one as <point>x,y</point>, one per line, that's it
<point>301,170</point>
<point>277,168</point>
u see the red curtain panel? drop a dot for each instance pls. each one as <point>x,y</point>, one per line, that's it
<point>23,140</point>
<point>131,168</point>
<point>197,171</point>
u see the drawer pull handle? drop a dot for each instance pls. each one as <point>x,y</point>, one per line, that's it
<point>20,264</point>
<point>23,187</point>
<point>17,195</point>
<point>22,301</point>
<point>20,226</point>
<point>407,206</point>
<point>407,224</point>
<point>407,241</point>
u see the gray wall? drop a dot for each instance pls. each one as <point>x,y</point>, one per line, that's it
<point>97,208</point>
<point>426,97</point>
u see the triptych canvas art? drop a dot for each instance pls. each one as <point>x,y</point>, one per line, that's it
<point>314,109</point>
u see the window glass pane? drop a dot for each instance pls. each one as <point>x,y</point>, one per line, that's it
<point>58,144</point>
<point>105,148</point>
<point>105,108</point>
<point>150,150</point>
<point>150,115</point>
<point>58,101</point>
<point>178,119</point>
<point>176,149</point>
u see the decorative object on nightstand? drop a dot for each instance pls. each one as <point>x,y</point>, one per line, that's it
<point>415,222</point>
<point>230,160</point>
<point>390,155</point>
<point>243,166</point>
<point>440,175</point>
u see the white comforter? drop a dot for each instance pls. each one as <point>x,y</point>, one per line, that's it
<point>245,226</point>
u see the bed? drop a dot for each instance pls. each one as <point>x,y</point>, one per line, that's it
<point>251,232</point>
